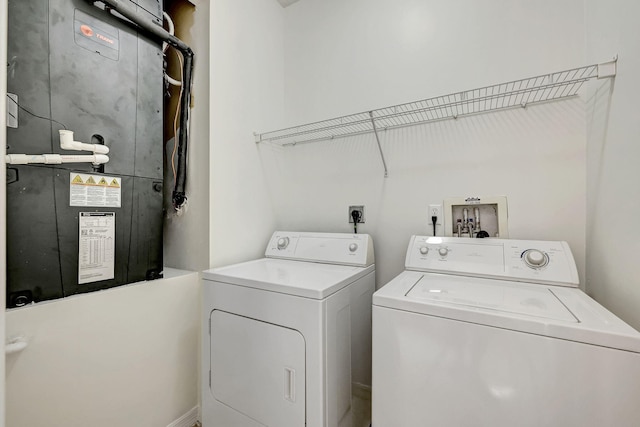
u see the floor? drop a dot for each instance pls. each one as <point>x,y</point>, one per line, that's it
<point>361,408</point>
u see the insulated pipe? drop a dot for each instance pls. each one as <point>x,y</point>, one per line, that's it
<point>178,196</point>
<point>67,143</point>
<point>55,159</point>
<point>126,9</point>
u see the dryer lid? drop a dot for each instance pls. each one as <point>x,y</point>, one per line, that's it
<point>299,278</point>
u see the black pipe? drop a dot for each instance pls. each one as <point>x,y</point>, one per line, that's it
<point>142,21</point>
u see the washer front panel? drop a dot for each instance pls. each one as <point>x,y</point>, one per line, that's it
<point>433,371</point>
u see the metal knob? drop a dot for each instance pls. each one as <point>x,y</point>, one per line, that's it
<point>353,247</point>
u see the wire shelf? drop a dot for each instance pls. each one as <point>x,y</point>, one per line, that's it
<point>518,93</point>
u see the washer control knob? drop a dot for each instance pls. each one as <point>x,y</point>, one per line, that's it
<point>424,250</point>
<point>353,247</point>
<point>443,251</point>
<point>283,242</point>
<point>535,258</point>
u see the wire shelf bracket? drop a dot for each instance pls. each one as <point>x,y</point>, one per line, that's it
<point>518,93</point>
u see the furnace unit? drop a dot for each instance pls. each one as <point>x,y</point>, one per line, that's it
<point>78,227</point>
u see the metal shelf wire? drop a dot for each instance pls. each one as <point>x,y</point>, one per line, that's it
<point>517,93</point>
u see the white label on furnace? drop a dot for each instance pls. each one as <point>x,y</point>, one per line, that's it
<point>94,190</point>
<point>96,249</point>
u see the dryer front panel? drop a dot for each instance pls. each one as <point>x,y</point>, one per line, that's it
<point>258,369</point>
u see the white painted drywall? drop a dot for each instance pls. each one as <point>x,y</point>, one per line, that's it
<point>186,236</point>
<point>126,356</point>
<point>346,57</point>
<point>613,240</point>
<point>246,96</point>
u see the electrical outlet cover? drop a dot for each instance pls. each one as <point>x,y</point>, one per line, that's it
<point>435,210</point>
<point>356,208</point>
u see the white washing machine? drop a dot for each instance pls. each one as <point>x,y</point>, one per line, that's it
<point>285,336</point>
<point>496,333</point>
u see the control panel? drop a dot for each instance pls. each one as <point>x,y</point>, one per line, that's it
<point>331,248</point>
<point>533,261</point>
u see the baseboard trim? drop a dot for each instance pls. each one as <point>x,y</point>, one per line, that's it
<point>362,391</point>
<point>187,420</point>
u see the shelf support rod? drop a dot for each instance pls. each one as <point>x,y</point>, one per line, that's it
<point>375,132</point>
<point>608,69</point>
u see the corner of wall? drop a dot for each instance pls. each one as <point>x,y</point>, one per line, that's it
<point>186,243</point>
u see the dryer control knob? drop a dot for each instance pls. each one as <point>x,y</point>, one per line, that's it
<point>443,251</point>
<point>424,250</point>
<point>283,242</point>
<point>535,258</point>
<point>353,247</point>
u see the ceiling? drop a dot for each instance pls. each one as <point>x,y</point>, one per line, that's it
<point>286,3</point>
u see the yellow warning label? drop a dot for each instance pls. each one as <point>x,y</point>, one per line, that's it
<point>96,190</point>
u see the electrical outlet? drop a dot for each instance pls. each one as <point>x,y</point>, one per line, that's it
<point>435,210</point>
<point>359,208</point>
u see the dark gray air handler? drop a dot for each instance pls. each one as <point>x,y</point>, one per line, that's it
<point>77,227</point>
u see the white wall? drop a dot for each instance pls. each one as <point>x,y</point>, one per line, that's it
<point>349,56</point>
<point>613,239</point>
<point>246,96</point>
<point>345,57</point>
<point>186,242</point>
<point>126,356</point>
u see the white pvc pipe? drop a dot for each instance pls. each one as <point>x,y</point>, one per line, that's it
<point>15,345</point>
<point>67,143</point>
<point>172,81</point>
<point>171,31</point>
<point>169,22</point>
<point>55,159</point>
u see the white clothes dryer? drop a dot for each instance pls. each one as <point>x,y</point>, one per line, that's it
<point>285,336</point>
<point>496,333</point>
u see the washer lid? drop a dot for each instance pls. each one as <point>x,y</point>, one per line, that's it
<point>546,310</point>
<point>500,296</point>
<point>300,278</point>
